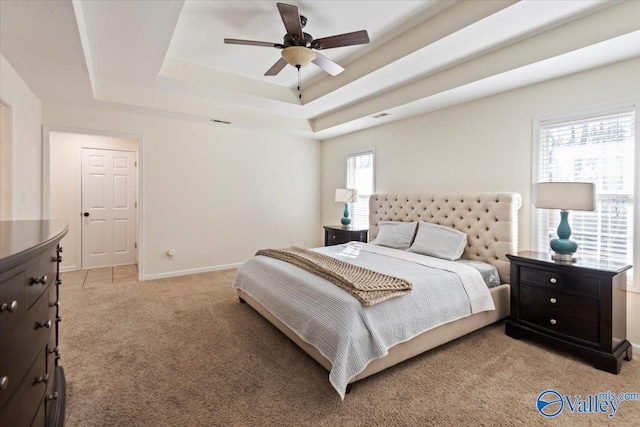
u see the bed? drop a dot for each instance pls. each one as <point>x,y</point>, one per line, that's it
<point>330,325</point>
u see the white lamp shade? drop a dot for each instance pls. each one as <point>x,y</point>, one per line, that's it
<point>575,196</point>
<point>346,195</point>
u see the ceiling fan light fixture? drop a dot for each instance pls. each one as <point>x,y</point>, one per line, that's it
<point>298,55</point>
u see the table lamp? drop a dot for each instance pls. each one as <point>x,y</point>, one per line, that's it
<point>346,196</point>
<point>577,196</point>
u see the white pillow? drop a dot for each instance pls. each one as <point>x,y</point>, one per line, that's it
<point>395,234</point>
<point>439,241</point>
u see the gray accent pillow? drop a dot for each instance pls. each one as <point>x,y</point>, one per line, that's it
<point>395,234</point>
<point>439,241</point>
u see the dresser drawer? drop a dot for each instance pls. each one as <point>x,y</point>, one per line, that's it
<point>22,344</point>
<point>52,343</point>
<point>554,321</point>
<point>20,409</point>
<point>40,273</point>
<point>13,296</point>
<point>583,285</point>
<point>570,305</point>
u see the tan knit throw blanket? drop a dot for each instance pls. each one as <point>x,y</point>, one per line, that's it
<point>369,287</point>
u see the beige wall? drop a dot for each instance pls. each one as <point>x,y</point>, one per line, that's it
<point>485,145</point>
<point>214,193</point>
<point>26,148</point>
<point>65,150</point>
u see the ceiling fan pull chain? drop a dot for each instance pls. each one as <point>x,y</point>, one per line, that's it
<point>299,83</point>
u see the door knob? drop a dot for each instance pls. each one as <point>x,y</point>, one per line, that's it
<point>86,214</point>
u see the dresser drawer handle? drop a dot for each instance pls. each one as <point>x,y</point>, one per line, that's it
<point>46,324</point>
<point>43,379</point>
<point>553,280</point>
<point>53,350</point>
<point>42,280</point>
<point>54,303</point>
<point>11,308</point>
<point>4,383</point>
<point>53,396</point>
<point>553,300</point>
<point>553,321</point>
<point>333,237</point>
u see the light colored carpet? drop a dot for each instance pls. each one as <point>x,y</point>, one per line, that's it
<point>185,352</point>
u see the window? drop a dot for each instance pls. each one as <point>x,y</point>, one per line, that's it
<point>360,177</point>
<point>598,148</point>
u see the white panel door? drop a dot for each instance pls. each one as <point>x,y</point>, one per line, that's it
<point>108,208</point>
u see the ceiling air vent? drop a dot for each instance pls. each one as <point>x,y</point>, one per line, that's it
<point>377,116</point>
<point>224,122</point>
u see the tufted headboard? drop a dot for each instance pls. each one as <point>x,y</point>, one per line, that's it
<point>489,219</point>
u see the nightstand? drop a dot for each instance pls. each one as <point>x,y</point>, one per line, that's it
<point>579,307</point>
<point>338,234</point>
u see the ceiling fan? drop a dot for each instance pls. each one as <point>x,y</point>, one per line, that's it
<point>299,48</point>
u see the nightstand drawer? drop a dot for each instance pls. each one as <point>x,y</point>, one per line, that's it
<point>554,321</point>
<point>335,235</point>
<point>581,307</point>
<point>583,285</point>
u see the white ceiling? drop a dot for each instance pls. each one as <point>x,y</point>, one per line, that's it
<point>168,58</point>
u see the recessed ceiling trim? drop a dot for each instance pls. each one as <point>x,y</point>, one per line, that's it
<point>84,40</point>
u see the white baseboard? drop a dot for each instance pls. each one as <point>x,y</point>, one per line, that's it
<point>69,268</point>
<point>636,349</point>
<point>191,271</point>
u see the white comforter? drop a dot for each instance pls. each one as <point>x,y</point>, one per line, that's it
<point>345,332</point>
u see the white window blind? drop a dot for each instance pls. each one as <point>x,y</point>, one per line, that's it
<point>360,177</point>
<point>599,149</point>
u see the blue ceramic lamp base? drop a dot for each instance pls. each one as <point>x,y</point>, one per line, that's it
<point>563,247</point>
<point>345,219</point>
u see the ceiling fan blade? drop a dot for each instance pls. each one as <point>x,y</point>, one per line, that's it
<point>291,20</point>
<point>253,43</point>
<point>276,68</point>
<point>327,65</point>
<point>347,39</point>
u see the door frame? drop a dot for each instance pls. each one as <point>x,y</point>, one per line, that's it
<point>46,171</point>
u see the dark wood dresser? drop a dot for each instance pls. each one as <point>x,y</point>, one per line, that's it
<point>32,385</point>
<point>579,307</point>
<point>338,234</point>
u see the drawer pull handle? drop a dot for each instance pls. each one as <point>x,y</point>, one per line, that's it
<point>54,303</point>
<point>43,379</point>
<point>11,308</point>
<point>46,324</point>
<point>553,280</point>
<point>53,350</point>
<point>41,280</point>
<point>553,321</point>
<point>4,383</point>
<point>53,396</point>
<point>553,300</point>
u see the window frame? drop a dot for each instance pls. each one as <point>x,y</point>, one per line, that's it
<point>358,152</point>
<point>633,282</point>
